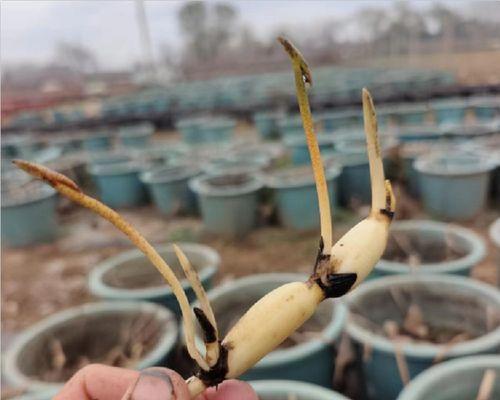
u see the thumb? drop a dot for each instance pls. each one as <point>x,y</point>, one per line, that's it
<point>157,384</point>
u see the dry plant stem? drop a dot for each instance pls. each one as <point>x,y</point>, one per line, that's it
<point>302,76</point>
<point>70,189</point>
<point>487,385</point>
<point>374,153</point>
<point>212,346</point>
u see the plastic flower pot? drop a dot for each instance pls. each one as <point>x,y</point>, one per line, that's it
<point>29,214</point>
<point>229,164</point>
<point>168,187</point>
<point>291,126</point>
<point>429,247</point>
<point>133,334</point>
<point>411,114</point>
<point>486,108</point>
<point>454,380</point>
<point>218,130</point>
<point>228,202</point>
<point>450,306</point>
<point>130,276</point>
<point>296,198</point>
<point>97,142</point>
<point>297,145</point>
<point>137,135</point>
<point>341,119</point>
<point>267,124</point>
<point>449,112</point>
<point>307,357</point>
<point>118,184</point>
<point>355,177</point>
<point>453,186</point>
<point>419,133</point>
<point>285,390</point>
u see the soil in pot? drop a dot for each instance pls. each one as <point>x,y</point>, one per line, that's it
<point>138,273</point>
<point>114,339</point>
<point>416,315</point>
<point>416,249</point>
<point>228,180</point>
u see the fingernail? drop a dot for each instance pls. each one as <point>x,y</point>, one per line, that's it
<point>151,384</point>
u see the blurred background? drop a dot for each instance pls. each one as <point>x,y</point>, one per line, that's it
<point>182,115</point>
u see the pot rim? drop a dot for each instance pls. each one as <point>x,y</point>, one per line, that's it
<point>99,288</point>
<point>272,181</point>
<point>116,169</point>
<point>425,165</point>
<point>420,384</point>
<point>331,332</point>
<point>186,172</point>
<point>481,344</point>
<point>199,186</point>
<point>165,344</point>
<point>47,193</point>
<point>475,255</point>
<point>305,389</point>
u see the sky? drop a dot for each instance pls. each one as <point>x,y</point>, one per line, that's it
<point>30,29</point>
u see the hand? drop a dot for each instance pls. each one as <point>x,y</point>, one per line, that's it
<point>100,382</point>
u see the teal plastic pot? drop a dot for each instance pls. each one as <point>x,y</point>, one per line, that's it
<point>449,305</point>
<point>228,202</point>
<point>429,247</point>
<point>136,136</point>
<point>129,276</point>
<point>29,215</point>
<point>454,380</point>
<point>97,142</point>
<point>310,360</point>
<point>485,108</point>
<point>296,198</point>
<point>118,184</point>
<point>91,330</point>
<point>411,114</point>
<point>189,129</point>
<point>341,119</point>
<point>449,112</point>
<point>267,124</point>
<point>168,187</point>
<point>286,390</point>
<point>291,126</point>
<point>453,186</point>
<point>419,133</point>
<point>218,130</point>
<point>297,146</point>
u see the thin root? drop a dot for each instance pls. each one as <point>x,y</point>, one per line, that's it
<point>70,189</point>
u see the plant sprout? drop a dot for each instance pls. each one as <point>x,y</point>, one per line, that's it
<point>338,268</point>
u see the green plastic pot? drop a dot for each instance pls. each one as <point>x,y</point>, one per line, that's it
<point>228,202</point>
<point>267,124</point>
<point>286,390</point>
<point>449,111</point>
<point>410,114</point>
<point>97,327</point>
<point>454,380</point>
<point>453,186</point>
<point>310,361</point>
<point>97,142</point>
<point>426,238</point>
<point>168,187</point>
<point>296,198</point>
<point>136,136</point>
<point>29,216</point>
<point>297,146</point>
<point>118,184</point>
<point>343,119</point>
<point>130,276</point>
<point>447,302</point>
<point>291,126</point>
